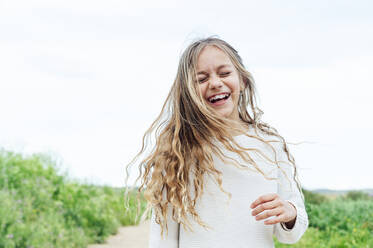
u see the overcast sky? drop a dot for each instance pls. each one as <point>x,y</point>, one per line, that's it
<point>83,79</point>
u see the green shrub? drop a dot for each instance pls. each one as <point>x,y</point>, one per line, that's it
<point>314,198</point>
<point>357,195</point>
<point>338,223</point>
<point>41,208</point>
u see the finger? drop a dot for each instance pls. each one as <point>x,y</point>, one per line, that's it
<point>264,198</point>
<point>269,213</point>
<point>276,220</point>
<point>264,206</point>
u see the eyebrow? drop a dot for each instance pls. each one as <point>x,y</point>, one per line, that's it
<point>220,66</point>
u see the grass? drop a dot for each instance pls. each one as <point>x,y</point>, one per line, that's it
<point>344,221</point>
<point>40,208</point>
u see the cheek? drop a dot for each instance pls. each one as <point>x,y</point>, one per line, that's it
<point>235,87</point>
<point>202,89</point>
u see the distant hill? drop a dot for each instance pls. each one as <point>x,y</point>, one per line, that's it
<point>340,192</point>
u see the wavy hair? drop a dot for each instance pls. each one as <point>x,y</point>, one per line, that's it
<point>185,132</point>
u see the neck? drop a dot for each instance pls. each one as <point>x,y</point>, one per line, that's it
<point>243,125</point>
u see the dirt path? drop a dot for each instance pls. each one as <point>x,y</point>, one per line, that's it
<point>128,237</point>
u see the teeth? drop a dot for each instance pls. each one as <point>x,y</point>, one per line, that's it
<point>218,97</point>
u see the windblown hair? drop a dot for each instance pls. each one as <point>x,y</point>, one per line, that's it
<point>185,141</point>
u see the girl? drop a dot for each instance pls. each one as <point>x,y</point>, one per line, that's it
<point>208,147</point>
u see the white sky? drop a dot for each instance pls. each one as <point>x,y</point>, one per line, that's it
<point>85,79</point>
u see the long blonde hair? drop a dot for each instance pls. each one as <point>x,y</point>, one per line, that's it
<point>185,130</point>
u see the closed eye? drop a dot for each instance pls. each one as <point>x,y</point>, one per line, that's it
<point>202,80</point>
<point>224,74</point>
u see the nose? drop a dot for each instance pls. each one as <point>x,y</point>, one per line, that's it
<point>215,82</point>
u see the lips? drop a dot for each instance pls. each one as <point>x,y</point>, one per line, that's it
<point>218,94</point>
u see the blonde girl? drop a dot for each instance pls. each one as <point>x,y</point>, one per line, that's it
<point>218,176</point>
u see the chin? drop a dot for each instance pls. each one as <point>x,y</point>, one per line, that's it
<point>225,114</point>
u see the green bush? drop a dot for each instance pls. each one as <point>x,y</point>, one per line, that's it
<point>40,208</point>
<point>338,223</point>
<point>357,195</point>
<point>314,198</point>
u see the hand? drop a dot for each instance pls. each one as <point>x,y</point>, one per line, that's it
<point>284,210</point>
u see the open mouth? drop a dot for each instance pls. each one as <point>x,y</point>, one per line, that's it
<point>219,99</point>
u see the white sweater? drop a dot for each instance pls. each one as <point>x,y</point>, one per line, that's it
<point>233,225</point>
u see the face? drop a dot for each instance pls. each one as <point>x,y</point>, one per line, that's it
<point>218,81</point>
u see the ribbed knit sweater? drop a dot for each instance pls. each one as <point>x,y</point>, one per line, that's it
<point>232,223</point>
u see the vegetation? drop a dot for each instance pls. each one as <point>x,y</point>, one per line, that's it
<point>343,222</point>
<point>40,208</point>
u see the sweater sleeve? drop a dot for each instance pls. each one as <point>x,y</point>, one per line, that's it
<point>166,241</point>
<point>290,193</point>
